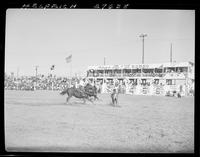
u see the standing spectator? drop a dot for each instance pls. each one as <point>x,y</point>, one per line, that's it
<point>104,87</point>
<point>81,84</point>
<point>76,84</point>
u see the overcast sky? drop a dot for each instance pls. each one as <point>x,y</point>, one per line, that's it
<point>45,37</point>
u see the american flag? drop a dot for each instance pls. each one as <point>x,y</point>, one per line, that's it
<point>69,59</point>
<point>161,66</point>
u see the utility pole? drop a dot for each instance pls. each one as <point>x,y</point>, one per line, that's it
<point>104,63</point>
<point>36,68</point>
<point>17,72</point>
<point>143,36</point>
<point>171,53</point>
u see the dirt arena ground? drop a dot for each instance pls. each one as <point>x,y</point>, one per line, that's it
<point>42,121</point>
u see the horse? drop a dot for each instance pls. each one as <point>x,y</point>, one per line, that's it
<point>114,97</point>
<point>76,92</point>
<point>85,93</point>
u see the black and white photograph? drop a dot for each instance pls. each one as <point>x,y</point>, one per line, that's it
<point>99,80</point>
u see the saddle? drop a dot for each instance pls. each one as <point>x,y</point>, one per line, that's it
<point>81,92</point>
<point>85,91</point>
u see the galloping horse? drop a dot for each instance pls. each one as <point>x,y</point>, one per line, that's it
<point>81,94</point>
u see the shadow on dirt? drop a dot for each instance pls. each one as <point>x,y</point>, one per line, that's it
<point>112,105</point>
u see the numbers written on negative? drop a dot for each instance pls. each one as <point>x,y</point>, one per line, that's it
<point>48,6</point>
<point>111,6</point>
<point>71,6</point>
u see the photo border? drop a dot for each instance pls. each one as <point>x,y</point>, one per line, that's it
<point>127,4</point>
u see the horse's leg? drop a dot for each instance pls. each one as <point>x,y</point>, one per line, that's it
<point>112,98</point>
<point>68,98</point>
<point>96,98</point>
<point>90,100</point>
<point>83,100</point>
<point>116,101</point>
<point>113,101</point>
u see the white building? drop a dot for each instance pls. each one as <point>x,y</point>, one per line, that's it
<point>169,75</point>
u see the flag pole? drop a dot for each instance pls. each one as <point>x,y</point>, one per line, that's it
<point>36,70</point>
<point>52,80</point>
<point>50,76</point>
<point>68,60</point>
<point>71,69</point>
<point>171,53</point>
<point>70,79</point>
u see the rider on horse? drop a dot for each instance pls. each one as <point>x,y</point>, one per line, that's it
<point>85,87</point>
<point>85,92</point>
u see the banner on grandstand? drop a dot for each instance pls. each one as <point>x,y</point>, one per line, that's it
<point>159,90</point>
<point>68,59</point>
<point>145,90</point>
<point>131,66</point>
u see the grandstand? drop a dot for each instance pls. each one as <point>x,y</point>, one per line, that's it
<point>169,76</point>
<point>139,79</point>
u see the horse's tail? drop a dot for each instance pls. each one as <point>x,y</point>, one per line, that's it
<point>64,92</point>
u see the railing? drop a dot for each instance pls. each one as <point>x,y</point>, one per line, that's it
<point>128,75</point>
<point>136,74</point>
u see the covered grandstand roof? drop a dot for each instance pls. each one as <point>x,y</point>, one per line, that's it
<point>139,66</point>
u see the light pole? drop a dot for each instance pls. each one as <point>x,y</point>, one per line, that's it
<point>17,78</point>
<point>143,36</point>
<point>36,68</point>
<point>171,53</point>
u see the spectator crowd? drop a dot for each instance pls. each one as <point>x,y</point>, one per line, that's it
<point>40,82</point>
<point>50,82</point>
